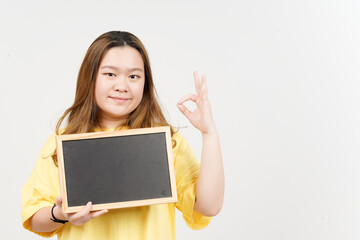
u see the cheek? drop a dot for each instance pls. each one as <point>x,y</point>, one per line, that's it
<point>140,92</point>
<point>100,89</point>
<point>96,93</point>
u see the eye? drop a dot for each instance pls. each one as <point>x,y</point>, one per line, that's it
<point>109,74</point>
<point>134,76</point>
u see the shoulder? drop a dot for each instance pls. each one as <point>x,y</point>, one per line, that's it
<point>50,144</point>
<point>177,136</point>
<point>181,147</point>
<point>178,140</point>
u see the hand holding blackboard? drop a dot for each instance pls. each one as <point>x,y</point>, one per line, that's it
<point>116,169</point>
<point>79,218</point>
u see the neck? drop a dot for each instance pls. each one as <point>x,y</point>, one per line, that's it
<point>111,123</point>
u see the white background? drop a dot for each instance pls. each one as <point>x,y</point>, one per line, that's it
<point>283,79</point>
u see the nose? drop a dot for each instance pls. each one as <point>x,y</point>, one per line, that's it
<point>121,84</point>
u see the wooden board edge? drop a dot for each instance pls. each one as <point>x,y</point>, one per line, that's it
<point>171,163</point>
<point>125,132</point>
<point>135,203</point>
<point>61,168</point>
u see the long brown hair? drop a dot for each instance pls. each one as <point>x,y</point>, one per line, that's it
<point>83,114</point>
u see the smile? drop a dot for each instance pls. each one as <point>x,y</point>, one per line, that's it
<point>120,99</point>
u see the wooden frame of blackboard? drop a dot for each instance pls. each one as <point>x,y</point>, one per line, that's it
<point>110,136</point>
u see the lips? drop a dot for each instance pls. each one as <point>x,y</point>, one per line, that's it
<point>120,99</point>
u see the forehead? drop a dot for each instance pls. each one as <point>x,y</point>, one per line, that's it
<point>120,57</point>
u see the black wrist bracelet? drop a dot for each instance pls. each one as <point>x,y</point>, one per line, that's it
<point>54,219</point>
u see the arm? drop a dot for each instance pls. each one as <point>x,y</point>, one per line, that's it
<point>41,222</point>
<point>210,185</point>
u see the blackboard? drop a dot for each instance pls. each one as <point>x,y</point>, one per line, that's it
<point>126,168</point>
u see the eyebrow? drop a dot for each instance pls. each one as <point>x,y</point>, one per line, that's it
<point>128,69</point>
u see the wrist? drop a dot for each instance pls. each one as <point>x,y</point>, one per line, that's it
<point>211,132</point>
<point>57,215</point>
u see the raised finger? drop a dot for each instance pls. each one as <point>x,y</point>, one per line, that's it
<point>197,82</point>
<point>204,89</point>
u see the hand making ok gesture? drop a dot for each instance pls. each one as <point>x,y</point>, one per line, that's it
<point>201,118</point>
<point>210,184</point>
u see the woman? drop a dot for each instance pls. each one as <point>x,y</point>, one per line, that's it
<point>115,91</point>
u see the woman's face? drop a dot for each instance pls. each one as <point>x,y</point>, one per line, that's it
<point>119,85</point>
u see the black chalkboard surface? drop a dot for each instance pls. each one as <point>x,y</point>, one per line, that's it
<point>117,169</point>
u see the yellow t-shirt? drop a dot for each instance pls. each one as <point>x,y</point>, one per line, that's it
<point>147,222</point>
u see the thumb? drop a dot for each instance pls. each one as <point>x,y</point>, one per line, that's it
<point>184,110</point>
<point>58,201</point>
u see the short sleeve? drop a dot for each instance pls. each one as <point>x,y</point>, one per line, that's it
<point>42,187</point>
<point>187,168</point>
